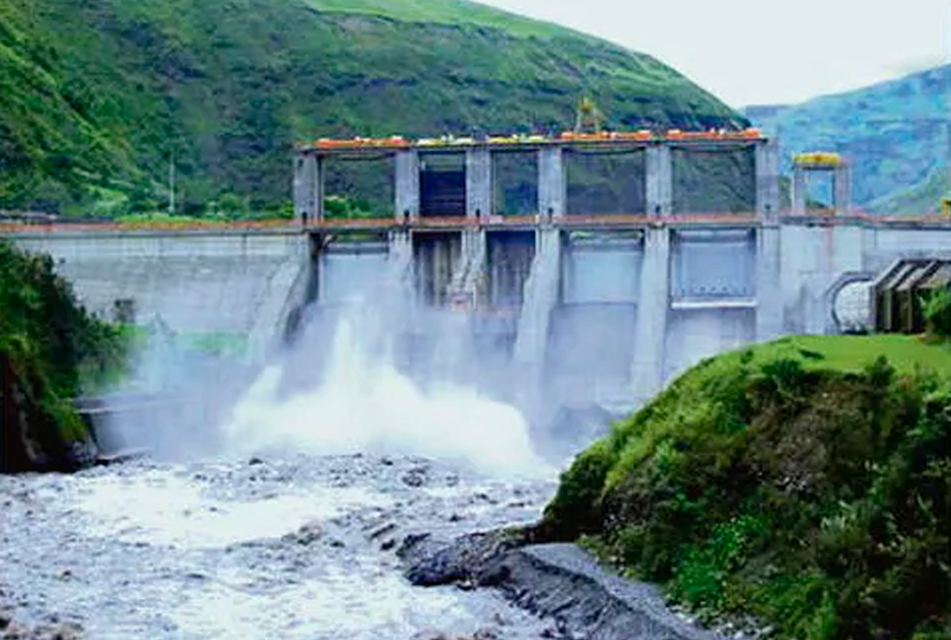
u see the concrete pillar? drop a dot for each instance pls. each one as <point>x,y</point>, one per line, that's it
<point>659,180</point>
<point>540,299</point>
<point>468,279</point>
<point>478,183</point>
<point>769,294</point>
<point>406,175</point>
<point>552,185</point>
<point>308,187</point>
<point>647,369</point>
<point>842,197</point>
<point>799,192</point>
<point>767,179</point>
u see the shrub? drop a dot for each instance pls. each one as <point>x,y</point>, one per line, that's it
<point>936,308</point>
<point>813,497</point>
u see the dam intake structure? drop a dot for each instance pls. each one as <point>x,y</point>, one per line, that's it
<point>583,269</point>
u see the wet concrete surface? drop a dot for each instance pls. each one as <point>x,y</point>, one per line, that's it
<point>258,548</point>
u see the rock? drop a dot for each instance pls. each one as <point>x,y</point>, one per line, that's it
<point>254,461</point>
<point>473,559</point>
<point>429,634</point>
<point>415,477</point>
<point>306,535</point>
<point>551,580</point>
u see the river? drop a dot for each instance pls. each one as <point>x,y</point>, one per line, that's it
<point>296,547</point>
<point>289,527</point>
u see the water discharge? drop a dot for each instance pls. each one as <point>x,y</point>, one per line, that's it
<point>365,404</point>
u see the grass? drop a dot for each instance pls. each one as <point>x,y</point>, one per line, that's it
<point>852,354</point>
<point>803,484</point>
<point>451,12</point>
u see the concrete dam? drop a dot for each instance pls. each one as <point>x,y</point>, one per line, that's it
<point>584,296</point>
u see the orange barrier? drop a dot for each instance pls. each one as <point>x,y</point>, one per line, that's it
<point>189,225</point>
<point>643,135</point>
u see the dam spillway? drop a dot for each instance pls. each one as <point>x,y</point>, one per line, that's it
<point>588,293</point>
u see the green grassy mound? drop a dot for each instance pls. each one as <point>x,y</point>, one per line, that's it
<point>50,350</point>
<point>805,484</point>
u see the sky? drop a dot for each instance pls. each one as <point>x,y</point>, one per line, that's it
<point>766,51</point>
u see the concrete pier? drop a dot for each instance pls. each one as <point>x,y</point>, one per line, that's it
<point>767,180</point>
<point>799,193</point>
<point>769,296</point>
<point>552,183</point>
<point>478,183</point>
<point>406,171</point>
<point>309,187</point>
<point>842,189</point>
<point>540,299</point>
<point>647,367</point>
<point>659,181</point>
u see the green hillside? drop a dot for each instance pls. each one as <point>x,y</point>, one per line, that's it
<point>924,197</point>
<point>802,485</point>
<point>893,132</point>
<point>95,96</point>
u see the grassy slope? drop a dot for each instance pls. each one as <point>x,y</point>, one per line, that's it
<point>792,482</point>
<point>104,90</point>
<point>894,132</point>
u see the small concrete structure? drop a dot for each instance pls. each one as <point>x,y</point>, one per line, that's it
<point>806,164</point>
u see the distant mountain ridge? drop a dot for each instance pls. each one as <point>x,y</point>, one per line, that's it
<point>895,133</point>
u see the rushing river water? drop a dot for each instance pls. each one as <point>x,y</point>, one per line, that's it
<point>298,547</point>
<point>289,529</point>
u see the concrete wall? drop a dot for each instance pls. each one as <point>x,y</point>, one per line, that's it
<point>192,282</point>
<point>602,316</point>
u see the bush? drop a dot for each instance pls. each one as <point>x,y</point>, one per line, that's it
<point>936,308</point>
<point>814,498</point>
<point>51,349</point>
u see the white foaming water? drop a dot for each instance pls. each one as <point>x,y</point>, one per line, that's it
<point>366,404</point>
<point>159,508</point>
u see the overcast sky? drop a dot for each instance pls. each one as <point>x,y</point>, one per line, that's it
<point>766,51</point>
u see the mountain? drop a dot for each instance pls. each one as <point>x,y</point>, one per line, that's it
<point>98,98</point>
<point>894,133</point>
<point>924,197</point>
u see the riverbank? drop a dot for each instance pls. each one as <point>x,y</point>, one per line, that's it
<point>801,486</point>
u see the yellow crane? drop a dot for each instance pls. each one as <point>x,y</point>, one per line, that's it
<point>588,116</point>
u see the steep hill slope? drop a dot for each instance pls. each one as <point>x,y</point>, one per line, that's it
<point>894,132</point>
<point>924,197</point>
<point>103,92</point>
<point>804,483</point>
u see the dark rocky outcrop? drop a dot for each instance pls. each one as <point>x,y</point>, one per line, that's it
<point>558,581</point>
<point>31,438</point>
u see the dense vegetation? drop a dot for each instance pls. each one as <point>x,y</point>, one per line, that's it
<point>98,98</point>
<point>893,132</point>
<point>805,484</point>
<point>50,349</point>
